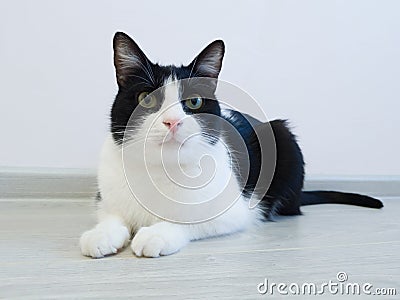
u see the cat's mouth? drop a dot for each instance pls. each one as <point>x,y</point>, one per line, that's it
<point>171,139</point>
<point>171,142</point>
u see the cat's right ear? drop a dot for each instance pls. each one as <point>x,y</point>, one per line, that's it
<point>209,62</point>
<point>128,57</point>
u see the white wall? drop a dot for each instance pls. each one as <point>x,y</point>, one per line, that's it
<point>331,67</point>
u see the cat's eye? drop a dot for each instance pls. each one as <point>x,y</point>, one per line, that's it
<point>194,102</point>
<point>147,100</point>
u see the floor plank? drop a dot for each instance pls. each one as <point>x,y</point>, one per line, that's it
<point>40,258</point>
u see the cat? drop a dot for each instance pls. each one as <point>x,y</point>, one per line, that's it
<point>156,106</point>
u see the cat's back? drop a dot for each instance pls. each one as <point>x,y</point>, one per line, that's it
<point>272,153</point>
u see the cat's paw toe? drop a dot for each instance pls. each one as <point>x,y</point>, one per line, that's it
<point>150,243</point>
<point>98,243</point>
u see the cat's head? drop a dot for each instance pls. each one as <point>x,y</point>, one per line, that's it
<point>167,106</point>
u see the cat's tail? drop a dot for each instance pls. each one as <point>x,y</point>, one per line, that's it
<point>326,197</point>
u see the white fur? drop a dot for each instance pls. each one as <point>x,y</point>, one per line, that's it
<point>120,211</point>
<point>107,237</point>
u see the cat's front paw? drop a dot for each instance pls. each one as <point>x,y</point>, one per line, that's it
<point>157,240</point>
<point>99,242</point>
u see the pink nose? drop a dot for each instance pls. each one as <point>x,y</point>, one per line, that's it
<point>172,124</point>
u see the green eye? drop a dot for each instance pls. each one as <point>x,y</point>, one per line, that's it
<point>194,102</point>
<point>147,100</point>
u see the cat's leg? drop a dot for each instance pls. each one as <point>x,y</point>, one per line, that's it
<point>162,238</point>
<point>107,237</point>
<point>166,238</point>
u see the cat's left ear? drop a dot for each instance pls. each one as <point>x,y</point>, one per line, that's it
<point>209,62</point>
<point>128,57</point>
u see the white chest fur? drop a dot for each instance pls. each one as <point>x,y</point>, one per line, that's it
<point>189,193</point>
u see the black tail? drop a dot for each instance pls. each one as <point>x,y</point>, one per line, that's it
<point>325,197</point>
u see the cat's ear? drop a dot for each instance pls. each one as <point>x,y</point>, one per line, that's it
<point>128,57</point>
<point>209,62</point>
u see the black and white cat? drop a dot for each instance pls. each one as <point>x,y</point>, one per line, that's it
<point>155,107</point>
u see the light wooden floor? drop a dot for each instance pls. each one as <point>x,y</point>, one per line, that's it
<point>40,259</point>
